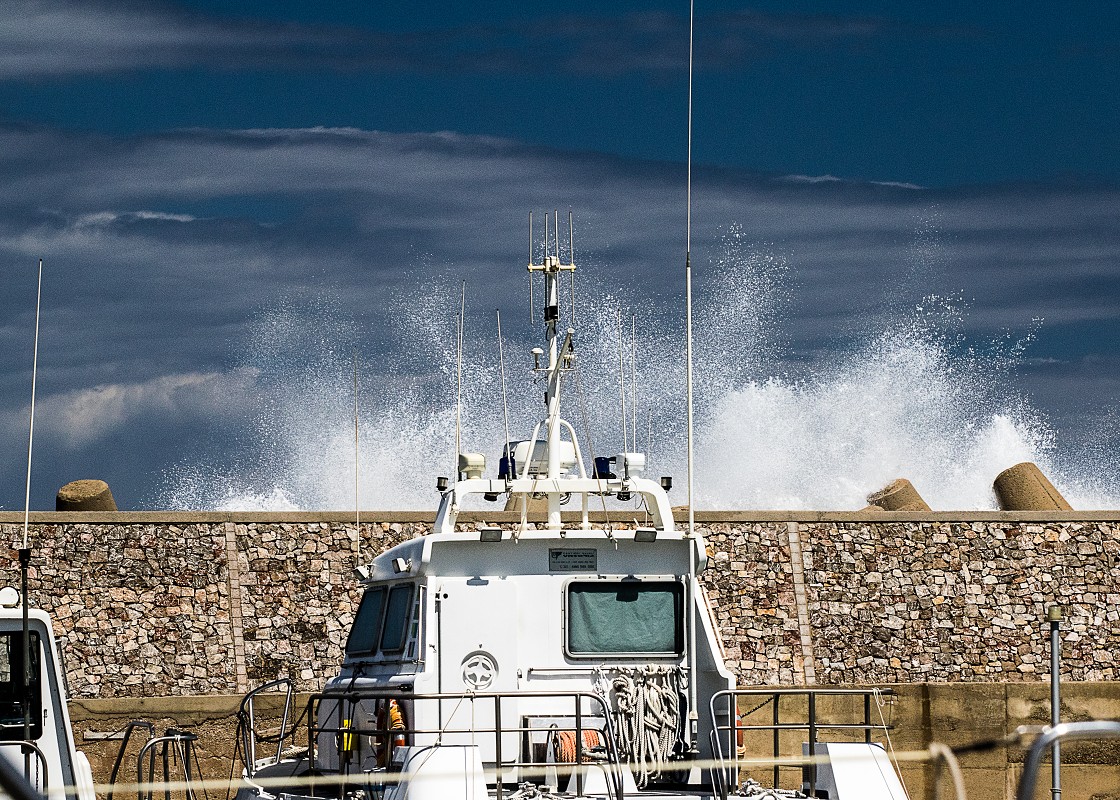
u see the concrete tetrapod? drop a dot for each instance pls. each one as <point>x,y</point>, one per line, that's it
<point>85,495</point>
<point>1023,487</point>
<point>898,495</point>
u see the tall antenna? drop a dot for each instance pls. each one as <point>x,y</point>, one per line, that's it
<point>634,381</point>
<point>572,260</point>
<point>505,403</point>
<point>693,717</point>
<point>530,264</point>
<point>459,377</point>
<point>688,280</point>
<point>25,551</point>
<point>31,427</point>
<point>622,383</point>
<point>357,503</point>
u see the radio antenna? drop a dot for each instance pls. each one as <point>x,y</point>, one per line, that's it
<point>622,381</point>
<point>31,427</point>
<point>505,403</point>
<point>357,503</point>
<point>688,281</point>
<point>531,317</point>
<point>693,717</point>
<point>634,382</point>
<point>459,377</point>
<point>25,551</point>
<point>572,260</point>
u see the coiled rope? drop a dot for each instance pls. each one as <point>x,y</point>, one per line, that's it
<point>647,715</point>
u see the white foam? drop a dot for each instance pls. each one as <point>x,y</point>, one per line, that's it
<point>913,401</point>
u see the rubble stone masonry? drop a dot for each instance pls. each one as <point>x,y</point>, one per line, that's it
<point>172,604</point>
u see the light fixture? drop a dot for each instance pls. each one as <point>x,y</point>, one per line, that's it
<point>489,533</point>
<point>667,482</point>
<point>441,484</point>
<point>645,534</point>
<point>402,564</point>
<point>1054,614</point>
<point>471,465</point>
<point>361,572</point>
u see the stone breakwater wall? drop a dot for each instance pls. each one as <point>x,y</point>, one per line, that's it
<point>161,604</point>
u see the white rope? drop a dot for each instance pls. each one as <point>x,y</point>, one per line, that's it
<point>879,703</point>
<point>944,755</point>
<point>647,718</point>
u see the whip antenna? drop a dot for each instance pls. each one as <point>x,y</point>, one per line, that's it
<point>633,382</point>
<point>25,551</point>
<point>31,427</point>
<point>693,717</point>
<point>622,382</point>
<point>572,260</point>
<point>688,279</point>
<point>505,403</point>
<point>459,377</point>
<point>530,264</point>
<point>357,503</point>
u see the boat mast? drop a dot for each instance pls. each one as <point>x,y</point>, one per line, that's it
<point>551,268</point>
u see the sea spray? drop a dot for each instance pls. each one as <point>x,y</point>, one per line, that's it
<point>912,398</point>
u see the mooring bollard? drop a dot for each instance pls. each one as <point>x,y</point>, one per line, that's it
<point>1023,487</point>
<point>85,495</point>
<point>898,495</point>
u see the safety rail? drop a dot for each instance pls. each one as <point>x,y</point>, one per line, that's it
<point>27,748</point>
<point>175,746</point>
<point>247,722</point>
<point>126,737</point>
<point>587,712</point>
<point>1044,744</point>
<point>725,705</point>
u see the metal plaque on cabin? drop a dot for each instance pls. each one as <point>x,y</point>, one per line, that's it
<point>573,560</point>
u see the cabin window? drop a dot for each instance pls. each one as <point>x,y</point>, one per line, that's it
<point>11,687</point>
<point>366,630</point>
<point>625,618</point>
<point>398,610</point>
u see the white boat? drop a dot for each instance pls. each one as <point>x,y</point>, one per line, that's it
<point>571,658</point>
<point>37,741</point>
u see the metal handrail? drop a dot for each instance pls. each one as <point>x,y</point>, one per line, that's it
<point>136,724</point>
<point>730,769</point>
<point>30,747</point>
<point>15,783</point>
<point>1066,731</point>
<point>247,716</point>
<point>172,736</point>
<point>348,699</point>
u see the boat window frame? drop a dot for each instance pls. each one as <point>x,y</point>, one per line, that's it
<point>414,644</point>
<point>396,652</point>
<point>13,732</point>
<point>681,595</point>
<point>373,650</point>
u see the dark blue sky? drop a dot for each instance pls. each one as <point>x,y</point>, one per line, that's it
<point>190,170</point>
<point>934,94</point>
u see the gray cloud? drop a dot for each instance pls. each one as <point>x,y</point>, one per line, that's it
<point>167,256</point>
<point>81,417</point>
<point>55,38</point>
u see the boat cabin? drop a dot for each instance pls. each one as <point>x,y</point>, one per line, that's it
<point>40,744</point>
<point>518,633</point>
